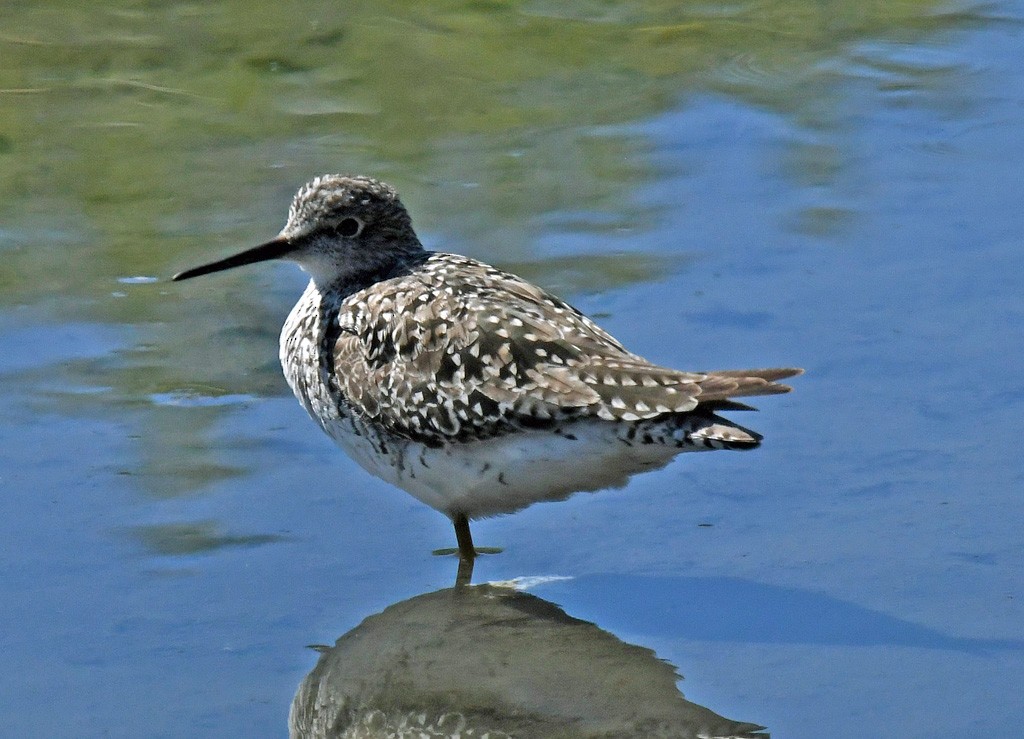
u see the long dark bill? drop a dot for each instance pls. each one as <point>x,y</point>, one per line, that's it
<point>271,250</point>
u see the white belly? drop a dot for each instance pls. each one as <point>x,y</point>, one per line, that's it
<point>506,473</point>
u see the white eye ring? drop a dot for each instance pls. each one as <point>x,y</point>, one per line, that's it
<point>349,227</point>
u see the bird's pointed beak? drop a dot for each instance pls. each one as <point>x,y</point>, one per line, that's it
<point>274,249</point>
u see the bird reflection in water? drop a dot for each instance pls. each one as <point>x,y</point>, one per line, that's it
<point>493,661</point>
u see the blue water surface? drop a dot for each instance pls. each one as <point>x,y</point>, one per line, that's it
<point>175,531</point>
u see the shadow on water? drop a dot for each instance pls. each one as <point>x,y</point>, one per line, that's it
<point>491,660</point>
<point>194,538</point>
<point>725,609</point>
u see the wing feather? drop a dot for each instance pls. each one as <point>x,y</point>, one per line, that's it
<point>458,349</point>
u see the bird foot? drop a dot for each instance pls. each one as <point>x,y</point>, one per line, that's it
<point>447,551</point>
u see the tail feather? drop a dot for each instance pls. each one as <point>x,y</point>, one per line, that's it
<point>719,433</point>
<point>716,393</point>
<point>771,373</point>
<point>726,405</point>
<point>724,384</point>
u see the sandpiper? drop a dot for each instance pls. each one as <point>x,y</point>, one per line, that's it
<point>468,387</point>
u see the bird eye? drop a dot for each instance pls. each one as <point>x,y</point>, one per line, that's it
<point>349,227</point>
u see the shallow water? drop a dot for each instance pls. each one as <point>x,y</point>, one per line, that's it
<point>833,186</point>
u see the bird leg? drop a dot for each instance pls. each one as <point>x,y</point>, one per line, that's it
<point>467,553</point>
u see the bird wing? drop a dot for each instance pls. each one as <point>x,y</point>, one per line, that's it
<point>458,350</point>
